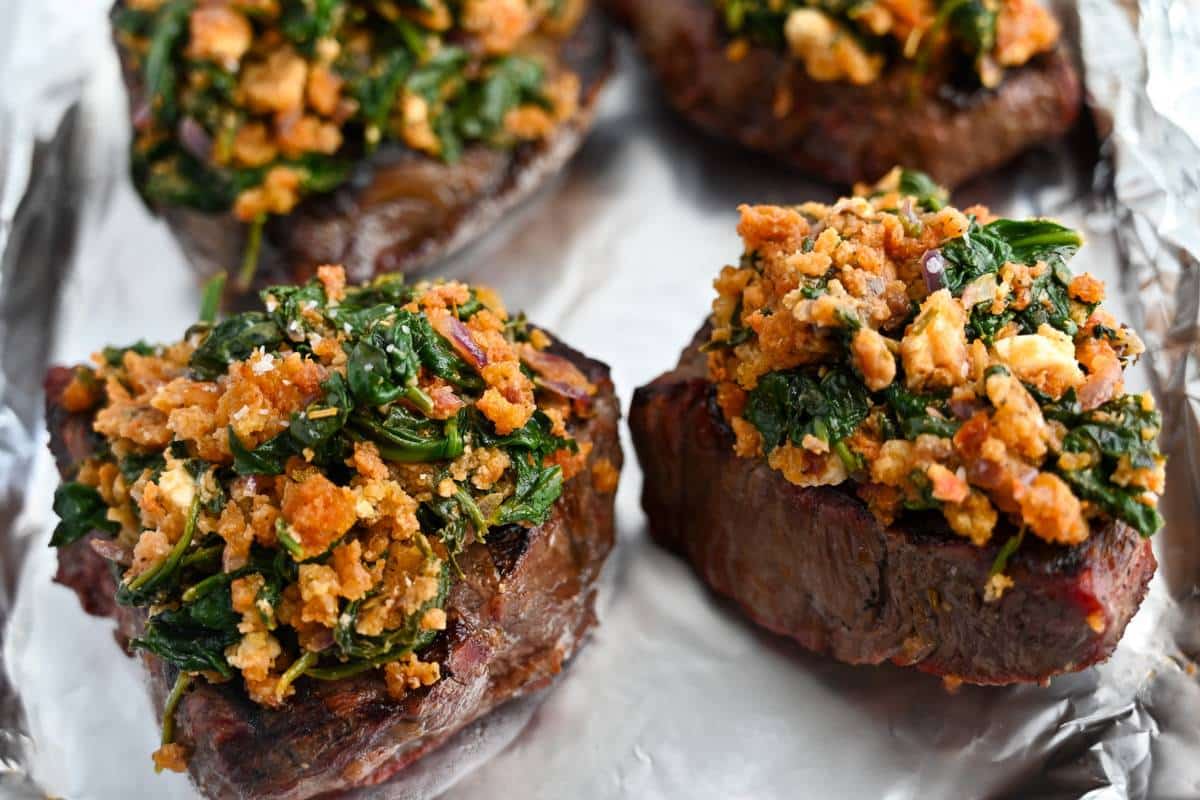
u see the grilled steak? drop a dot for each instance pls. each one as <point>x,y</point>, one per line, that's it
<point>838,131</point>
<point>520,611</point>
<point>814,564</point>
<point>400,210</point>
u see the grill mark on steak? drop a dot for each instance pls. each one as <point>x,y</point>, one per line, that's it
<point>841,132</point>
<point>400,210</point>
<point>521,611</point>
<point>813,564</point>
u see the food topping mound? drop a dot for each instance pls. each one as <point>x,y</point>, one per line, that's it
<point>252,104</point>
<point>942,360</point>
<point>286,492</point>
<point>853,40</point>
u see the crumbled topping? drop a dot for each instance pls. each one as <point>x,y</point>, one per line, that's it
<point>837,41</point>
<point>941,359</point>
<point>321,496</point>
<point>259,105</point>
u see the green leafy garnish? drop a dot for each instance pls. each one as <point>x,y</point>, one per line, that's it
<point>789,405</point>
<point>928,194</point>
<point>80,510</point>
<point>232,340</point>
<point>1120,429</point>
<point>916,414</point>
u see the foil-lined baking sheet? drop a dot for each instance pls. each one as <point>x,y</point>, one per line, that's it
<point>676,696</point>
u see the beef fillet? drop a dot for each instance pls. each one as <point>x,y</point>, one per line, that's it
<point>814,564</point>
<point>839,131</point>
<point>400,210</point>
<point>518,614</point>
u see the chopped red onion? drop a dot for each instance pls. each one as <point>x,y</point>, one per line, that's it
<point>933,268</point>
<point>557,374</point>
<point>963,408</point>
<point>107,548</point>
<point>195,139</point>
<point>460,337</point>
<point>908,216</point>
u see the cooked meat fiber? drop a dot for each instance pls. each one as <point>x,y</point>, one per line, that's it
<point>518,614</point>
<point>813,564</point>
<point>839,131</point>
<point>400,210</point>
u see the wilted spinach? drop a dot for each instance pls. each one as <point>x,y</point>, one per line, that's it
<point>194,636</point>
<point>928,194</point>
<point>80,510</point>
<point>233,340</point>
<point>788,405</point>
<point>1119,429</point>
<point>912,413</point>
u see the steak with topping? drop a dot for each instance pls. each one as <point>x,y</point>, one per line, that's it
<point>813,563</point>
<point>399,209</point>
<point>763,98</point>
<point>520,611</point>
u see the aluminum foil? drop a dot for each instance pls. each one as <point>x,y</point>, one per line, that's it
<point>676,695</point>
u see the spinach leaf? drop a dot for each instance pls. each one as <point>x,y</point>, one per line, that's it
<point>509,82</point>
<point>403,437</point>
<point>114,356</point>
<point>982,250</point>
<point>233,340</point>
<point>288,305</point>
<point>168,176</point>
<point>376,90</point>
<point>983,324</point>
<point>315,432</point>
<point>269,458</point>
<point>133,465</point>
<point>437,355</point>
<point>1117,429</point>
<point>977,252</point>
<point>320,173</point>
<point>1120,502</point>
<point>538,489</point>
<point>383,365</point>
<point>536,436</point>
<point>80,511</point>
<point>929,195</point>
<point>408,637</point>
<point>973,24</point>
<point>912,413</point>
<point>159,75</point>
<point>370,375</point>
<point>789,405</point>
<point>1034,240</point>
<point>194,636</point>
<point>306,21</point>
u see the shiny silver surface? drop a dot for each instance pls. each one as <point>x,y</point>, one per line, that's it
<point>677,696</point>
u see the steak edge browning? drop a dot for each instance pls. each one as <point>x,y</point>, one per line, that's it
<point>838,131</point>
<point>813,564</point>
<point>521,611</point>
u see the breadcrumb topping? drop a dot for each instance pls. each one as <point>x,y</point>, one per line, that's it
<point>286,510</point>
<point>941,359</point>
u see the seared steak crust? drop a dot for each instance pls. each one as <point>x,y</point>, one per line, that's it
<point>838,131</point>
<point>815,565</point>
<point>400,211</point>
<point>519,613</point>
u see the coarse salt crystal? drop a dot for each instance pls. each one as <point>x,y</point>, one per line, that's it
<point>263,364</point>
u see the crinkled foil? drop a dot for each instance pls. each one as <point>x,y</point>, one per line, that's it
<point>677,695</point>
